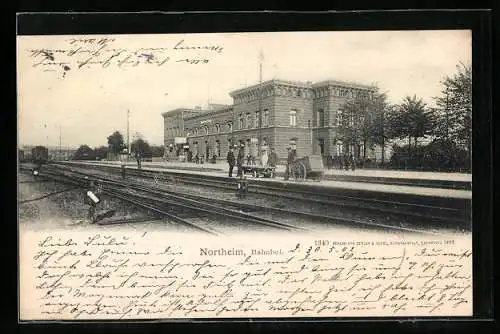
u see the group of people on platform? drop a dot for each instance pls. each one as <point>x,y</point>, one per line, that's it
<point>345,161</point>
<point>267,160</point>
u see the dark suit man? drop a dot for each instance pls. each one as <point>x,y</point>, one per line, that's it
<point>230,160</point>
<point>273,158</point>
<point>239,161</point>
<point>290,159</point>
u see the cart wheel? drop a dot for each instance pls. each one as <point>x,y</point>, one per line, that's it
<point>302,171</point>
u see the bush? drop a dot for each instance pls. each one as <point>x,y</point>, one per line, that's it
<point>438,155</point>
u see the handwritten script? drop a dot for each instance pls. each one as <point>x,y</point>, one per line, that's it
<point>113,276</point>
<point>102,52</point>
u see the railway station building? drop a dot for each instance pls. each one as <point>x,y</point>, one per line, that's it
<point>274,114</point>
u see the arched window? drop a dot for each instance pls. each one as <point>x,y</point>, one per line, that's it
<point>206,129</point>
<point>217,128</point>
<point>265,120</point>
<point>241,122</point>
<point>230,127</point>
<point>338,117</point>
<point>293,117</point>
<point>321,118</point>
<point>340,147</point>
<point>249,120</point>
<point>257,119</point>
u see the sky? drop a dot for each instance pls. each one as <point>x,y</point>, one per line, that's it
<point>60,101</point>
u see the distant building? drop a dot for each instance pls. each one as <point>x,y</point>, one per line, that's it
<point>275,114</point>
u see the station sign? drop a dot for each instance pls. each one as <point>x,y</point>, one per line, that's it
<point>207,121</point>
<point>180,140</point>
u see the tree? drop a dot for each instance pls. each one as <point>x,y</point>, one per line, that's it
<point>115,142</point>
<point>140,146</point>
<point>157,151</point>
<point>411,120</point>
<point>84,152</point>
<point>364,121</point>
<point>355,123</point>
<point>101,152</point>
<point>379,127</point>
<point>454,113</point>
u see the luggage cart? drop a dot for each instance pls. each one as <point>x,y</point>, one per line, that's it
<point>307,167</point>
<point>257,171</point>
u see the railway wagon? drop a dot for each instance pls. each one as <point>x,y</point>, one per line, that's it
<point>40,155</point>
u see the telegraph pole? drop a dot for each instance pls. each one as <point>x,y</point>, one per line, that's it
<point>261,59</point>
<point>60,136</point>
<point>128,131</point>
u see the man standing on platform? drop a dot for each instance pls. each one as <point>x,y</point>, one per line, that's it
<point>230,161</point>
<point>240,159</point>
<point>289,161</point>
<point>273,158</point>
<point>138,158</point>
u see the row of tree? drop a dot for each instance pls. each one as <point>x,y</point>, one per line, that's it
<point>373,121</point>
<point>117,145</point>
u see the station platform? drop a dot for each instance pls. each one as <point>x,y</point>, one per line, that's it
<point>382,173</point>
<point>326,184</point>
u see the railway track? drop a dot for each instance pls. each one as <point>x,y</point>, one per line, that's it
<point>432,209</point>
<point>171,206</point>
<point>203,205</point>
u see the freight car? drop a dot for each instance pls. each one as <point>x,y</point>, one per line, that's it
<point>40,155</point>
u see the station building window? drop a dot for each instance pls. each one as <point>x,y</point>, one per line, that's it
<point>340,147</point>
<point>257,119</point>
<point>351,120</point>
<point>249,120</point>
<point>230,127</point>
<point>293,117</point>
<point>338,117</point>
<point>321,118</point>
<point>217,128</point>
<point>241,122</point>
<point>217,148</point>
<point>265,120</point>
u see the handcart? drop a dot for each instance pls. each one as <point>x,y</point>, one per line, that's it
<point>258,171</point>
<point>307,167</point>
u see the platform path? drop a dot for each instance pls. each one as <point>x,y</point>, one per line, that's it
<point>362,186</point>
<point>383,173</point>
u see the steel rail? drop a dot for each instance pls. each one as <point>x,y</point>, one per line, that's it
<point>198,199</point>
<point>392,207</point>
